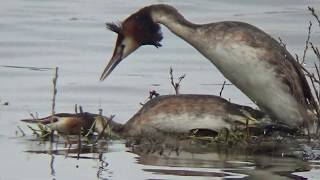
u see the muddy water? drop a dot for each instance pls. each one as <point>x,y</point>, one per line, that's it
<point>40,35</point>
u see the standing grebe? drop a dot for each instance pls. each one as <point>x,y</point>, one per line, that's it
<point>247,56</point>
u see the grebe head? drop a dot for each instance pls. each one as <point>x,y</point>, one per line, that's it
<point>137,30</point>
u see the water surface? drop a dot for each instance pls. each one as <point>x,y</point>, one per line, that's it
<point>72,35</point>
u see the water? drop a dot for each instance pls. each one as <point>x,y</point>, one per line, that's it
<point>72,35</point>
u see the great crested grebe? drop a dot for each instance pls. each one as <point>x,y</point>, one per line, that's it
<point>247,56</point>
<point>180,114</point>
<point>74,124</point>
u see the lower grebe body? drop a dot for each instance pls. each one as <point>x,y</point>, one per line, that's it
<point>180,114</point>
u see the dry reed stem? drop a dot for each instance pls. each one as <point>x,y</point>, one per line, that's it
<point>307,73</point>
<point>224,83</point>
<point>317,90</point>
<point>76,108</point>
<point>311,9</point>
<point>54,81</point>
<point>21,131</point>
<point>176,85</point>
<point>307,43</point>
<point>315,50</point>
<point>80,109</point>
<point>54,93</point>
<point>314,87</point>
<point>33,117</point>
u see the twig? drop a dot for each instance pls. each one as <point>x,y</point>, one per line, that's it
<point>176,86</point>
<point>318,73</point>
<point>307,43</point>
<point>76,108</point>
<point>314,87</point>
<point>315,50</point>
<point>310,75</point>
<point>224,83</point>
<point>34,131</point>
<point>80,109</point>
<point>317,70</point>
<point>311,9</point>
<point>33,117</point>
<point>22,132</point>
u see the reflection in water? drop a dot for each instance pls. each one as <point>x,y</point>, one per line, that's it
<point>102,166</point>
<point>227,165</point>
<point>169,164</point>
<point>53,172</point>
<point>57,148</point>
<point>186,172</point>
<point>70,152</point>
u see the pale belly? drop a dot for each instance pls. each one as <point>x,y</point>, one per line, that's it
<point>184,122</point>
<point>257,79</point>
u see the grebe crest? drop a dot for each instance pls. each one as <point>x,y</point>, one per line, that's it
<point>137,30</point>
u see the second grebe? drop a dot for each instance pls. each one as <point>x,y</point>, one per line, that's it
<point>247,56</point>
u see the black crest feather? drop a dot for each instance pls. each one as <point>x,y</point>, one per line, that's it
<point>115,27</point>
<point>150,30</point>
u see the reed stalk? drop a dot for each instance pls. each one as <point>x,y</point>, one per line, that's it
<point>53,102</point>
<point>176,85</point>
<point>222,88</point>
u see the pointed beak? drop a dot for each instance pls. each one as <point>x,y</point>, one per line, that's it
<point>124,47</point>
<point>114,61</point>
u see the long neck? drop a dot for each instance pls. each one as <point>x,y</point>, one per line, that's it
<point>174,21</point>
